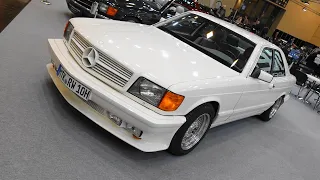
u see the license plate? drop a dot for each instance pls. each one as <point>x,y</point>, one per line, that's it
<point>75,86</point>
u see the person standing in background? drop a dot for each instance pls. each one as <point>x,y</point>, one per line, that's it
<point>264,32</point>
<point>239,20</point>
<point>258,25</point>
<point>232,16</point>
<point>221,12</point>
<point>255,28</point>
<point>275,37</point>
<point>246,20</point>
<point>291,41</point>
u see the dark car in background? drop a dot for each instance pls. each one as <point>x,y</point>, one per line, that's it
<point>194,5</point>
<point>139,11</point>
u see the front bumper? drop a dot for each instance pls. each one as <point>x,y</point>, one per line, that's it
<point>158,130</point>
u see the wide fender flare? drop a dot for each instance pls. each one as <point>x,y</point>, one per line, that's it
<point>203,101</point>
<point>285,95</point>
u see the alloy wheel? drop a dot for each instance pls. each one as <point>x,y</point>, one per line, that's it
<point>195,132</point>
<point>275,108</point>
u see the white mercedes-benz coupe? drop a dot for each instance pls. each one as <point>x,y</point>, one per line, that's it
<point>163,86</point>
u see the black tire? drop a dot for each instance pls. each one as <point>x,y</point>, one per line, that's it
<point>132,19</point>
<point>175,145</point>
<point>265,116</point>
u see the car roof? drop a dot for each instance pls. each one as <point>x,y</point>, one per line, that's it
<point>249,35</point>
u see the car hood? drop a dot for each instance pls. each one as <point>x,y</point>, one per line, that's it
<point>150,52</point>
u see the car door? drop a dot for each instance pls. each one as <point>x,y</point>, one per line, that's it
<point>258,95</point>
<point>281,78</point>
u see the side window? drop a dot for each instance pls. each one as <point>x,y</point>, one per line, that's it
<point>265,60</point>
<point>278,65</point>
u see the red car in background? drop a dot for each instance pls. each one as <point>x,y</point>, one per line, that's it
<point>193,5</point>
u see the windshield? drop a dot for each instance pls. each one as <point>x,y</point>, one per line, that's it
<point>218,42</point>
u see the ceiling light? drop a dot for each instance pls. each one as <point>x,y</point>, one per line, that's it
<point>304,9</point>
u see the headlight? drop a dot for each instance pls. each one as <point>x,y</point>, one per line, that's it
<point>147,91</point>
<point>155,95</point>
<point>103,7</point>
<point>67,31</point>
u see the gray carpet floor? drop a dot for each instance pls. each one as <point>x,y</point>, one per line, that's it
<point>42,137</point>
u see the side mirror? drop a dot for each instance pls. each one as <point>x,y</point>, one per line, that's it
<point>263,76</point>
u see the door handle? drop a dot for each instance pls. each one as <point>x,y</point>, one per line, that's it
<point>271,86</point>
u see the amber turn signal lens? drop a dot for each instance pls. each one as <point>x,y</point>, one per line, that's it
<point>135,137</point>
<point>111,11</point>
<point>170,101</point>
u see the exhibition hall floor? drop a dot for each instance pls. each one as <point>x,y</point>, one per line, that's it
<point>42,137</point>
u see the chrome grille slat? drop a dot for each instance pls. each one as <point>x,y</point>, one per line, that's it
<point>79,51</point>
<point>115,63</point>
<point>125,74</point>
<point>108,69</point>
<point>108,74</point>
<point>82,43</point>
<point>110,62</point>
<point>78,55</point>
<point>76,49</point>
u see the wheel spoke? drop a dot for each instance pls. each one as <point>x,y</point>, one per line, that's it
<point>275,108</point>
<point>195,132</point>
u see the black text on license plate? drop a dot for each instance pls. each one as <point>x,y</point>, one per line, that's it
<point>73,84</point>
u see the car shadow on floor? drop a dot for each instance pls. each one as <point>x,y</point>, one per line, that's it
<point>103,143</point>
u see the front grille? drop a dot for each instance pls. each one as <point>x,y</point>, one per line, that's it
<point>85,3</point>
<point>96,107</point>
<point>106,69</point>
<point>73,9</point>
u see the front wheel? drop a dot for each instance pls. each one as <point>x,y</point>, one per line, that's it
<point>269,114</point>
<point>193,130</point>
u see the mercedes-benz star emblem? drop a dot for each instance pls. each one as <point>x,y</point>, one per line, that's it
<point>90,57</point>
